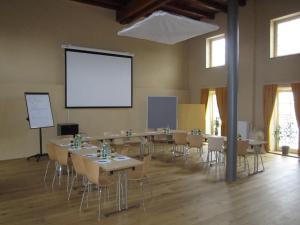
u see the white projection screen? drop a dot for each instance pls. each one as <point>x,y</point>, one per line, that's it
<point>97,79</point>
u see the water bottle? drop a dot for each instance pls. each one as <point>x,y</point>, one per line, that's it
<point>77,141</point>
<point>108,151</point>
<point>104,150</point>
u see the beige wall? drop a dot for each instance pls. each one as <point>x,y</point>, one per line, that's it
<point>279,70</point>
<point>31,59</point>
<point>256,68</point>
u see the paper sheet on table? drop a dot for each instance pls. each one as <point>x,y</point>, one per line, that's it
<point>103,161</point>
<point>74,149</point>
<point>121,158</point>
<point>65,145</point>
<point>89,147</point>
<point>91,155</point>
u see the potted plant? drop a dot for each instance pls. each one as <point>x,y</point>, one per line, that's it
<point>217,125</point>
<point>287,134</point>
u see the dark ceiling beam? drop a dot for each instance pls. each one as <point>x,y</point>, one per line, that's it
<point>116,5</point>
<point>213,5</point>
<point>182,12</point>
<point>138,8</point>
<point>242,2</point>
<point>190,8</point>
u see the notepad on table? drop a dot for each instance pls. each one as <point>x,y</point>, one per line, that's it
<point>89,147</point>
<point>103,161</point>
<point>65,145</point>
<point>121,158</point>
<point>91,155</point>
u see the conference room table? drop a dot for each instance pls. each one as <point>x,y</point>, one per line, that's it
<point>146,138</point>
<point>118,165</point>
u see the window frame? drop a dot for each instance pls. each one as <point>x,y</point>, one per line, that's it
<point>274,33</point>
<point>275,120</point>
<point>209,56</point>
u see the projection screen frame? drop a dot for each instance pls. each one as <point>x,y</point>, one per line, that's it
<point>97,53</point>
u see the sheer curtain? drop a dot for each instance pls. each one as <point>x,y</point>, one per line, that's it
<point>296,93</point>
<point>269,93</point>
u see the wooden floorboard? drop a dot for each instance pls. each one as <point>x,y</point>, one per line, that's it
<point>183,194</point>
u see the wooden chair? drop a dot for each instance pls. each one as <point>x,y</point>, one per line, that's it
<point>215,146</point>
<point>52,158</point>
<point>124,150</point>
<point>196,141</point>
<point>180,146</point>
<point>79,167</point>
<point>242,147</point>
<point>140,175</point>
<point>95,175</point>
<point>63,162</point>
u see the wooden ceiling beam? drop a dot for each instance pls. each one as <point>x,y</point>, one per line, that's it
<point>182,12</point>
<point>116,5</point>
<point>190,8</point>
<point>242,2</point>
<point>213,5</point>
<point>138,8</point>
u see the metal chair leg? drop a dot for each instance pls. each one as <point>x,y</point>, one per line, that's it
<point>68,180</point>
<point>262,162</point>
<point>87,194</point>
<point>46,170</point>
<point>247,165</point>
<point>82,198</point>
<point>99,202</point>
<point>54,176</point>
<point>72,184</point>
<point>142,192</point>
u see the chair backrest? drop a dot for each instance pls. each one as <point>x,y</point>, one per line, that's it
<point>51,151</point>
<point>93,142</point>
<point>215,143</point>
<point>146,162</point>
<point>78,164</point>
<point>62,155</point>
<point>242,146</point>
<point>124,150</point>
<point>92,170</point>
<point>180,138</point>
<point>195,141</point>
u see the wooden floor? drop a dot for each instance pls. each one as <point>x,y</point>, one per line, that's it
<point>183,194</point>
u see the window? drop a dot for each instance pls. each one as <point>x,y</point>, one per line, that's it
<point>284,123</point>
<point>215,51</point>
<point>285,35</point>
<point>212,118</point>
